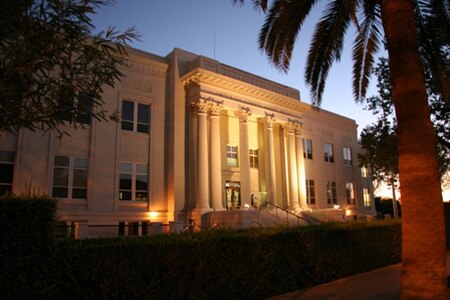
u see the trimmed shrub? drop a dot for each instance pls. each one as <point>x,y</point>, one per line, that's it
<point>221,264</point>
<point>26,244</point>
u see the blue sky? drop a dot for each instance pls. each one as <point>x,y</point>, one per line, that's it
<point>228,33</point>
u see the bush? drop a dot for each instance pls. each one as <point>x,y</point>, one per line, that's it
<point>250,264</point>
<point>26,243</point>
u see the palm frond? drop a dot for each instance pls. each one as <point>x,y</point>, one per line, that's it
<point>365,46</point>
<point>257,4</point>
<point>280,30</point>
<point>327,44</point>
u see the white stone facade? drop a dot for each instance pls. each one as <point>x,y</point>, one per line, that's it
<point>215,138</point>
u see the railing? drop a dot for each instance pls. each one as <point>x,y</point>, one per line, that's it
<point>308,219</point>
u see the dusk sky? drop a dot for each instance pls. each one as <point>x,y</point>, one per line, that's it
<point>228,33</point>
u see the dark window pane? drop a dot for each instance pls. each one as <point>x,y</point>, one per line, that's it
<point>80,178</point>
<point>61,176</point>
<point>59,192</point>
<point>84,108</point>
<point>6,173</point>
<point>141,182</point>
<point>142,128</point>
<point>127,111</point>
<point>125,182</point>
<point>79,193</point>
<point>121,228</point>
<point>143,113</point>
<point>127,125</point>
<point>5,188</point>
<point>124,195</point>
<point>61,161</point>
<point>141,196</point>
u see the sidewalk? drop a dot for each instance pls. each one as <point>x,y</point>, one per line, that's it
<point>381,283</point>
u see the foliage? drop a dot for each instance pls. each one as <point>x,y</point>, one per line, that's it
<point>26,244</point>
<point>220,264</point>
<point>379,140</point>
<point>52,69</point>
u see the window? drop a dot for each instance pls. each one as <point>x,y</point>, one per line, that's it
<point>135,117</point>
<point>331,192</point>
<point>307,149</point>
<point>6,171</point>
<point>366,197</point>
<point>310,192</point>
<point>133,182</point>
<point>79,110</point>
<point>253,153</point>
<point>364,172</point>
<point>328,152</point>
<point>350,193</point>
<point>70,177</point>
<point>232,156</point>
<point>347,152</point>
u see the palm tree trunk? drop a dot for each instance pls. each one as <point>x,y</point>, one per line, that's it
<point>423,227</point>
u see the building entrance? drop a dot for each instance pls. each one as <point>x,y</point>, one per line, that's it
<point>232,195</point>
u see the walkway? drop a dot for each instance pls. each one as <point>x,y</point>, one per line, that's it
<point>382,283</point>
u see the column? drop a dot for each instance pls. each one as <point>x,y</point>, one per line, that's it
<point>292,166</point>
<point>300,166</point>
<point>244,161</point>
<point>216,166</point>
<point>269,120</point>
<point>201,107</point>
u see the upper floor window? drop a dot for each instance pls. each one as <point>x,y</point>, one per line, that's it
<point>79,110</point>
<point>133,181</point>
<point>350,193</point>
<point>232,156</point>
<point>135,116</point>
<point>347,152</point>
<point>310,192</point>
<point>331,192</point>
<point>70,177</point>
<point>307,149</point>
<point>253,153</point>
<point>328,152</point>
<point>6,171</point>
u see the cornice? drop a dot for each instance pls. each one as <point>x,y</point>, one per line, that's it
<point>233,86</point>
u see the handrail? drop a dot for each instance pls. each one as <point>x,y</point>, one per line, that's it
<point>309,220</point>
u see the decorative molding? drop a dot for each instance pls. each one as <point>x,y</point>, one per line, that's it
<point>243,113</point>
<point>145,69</point>
<point>137,85</point>
<point>269,120</point>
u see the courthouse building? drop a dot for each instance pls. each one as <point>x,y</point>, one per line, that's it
<point>196,136</point>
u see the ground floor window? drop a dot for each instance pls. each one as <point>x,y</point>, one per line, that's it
<point>133,181</point>
<point>6,171</point>
<point>366,197</point>
<point>331,192</point>
<point>70,177</point>
<point>310,192</point>
<point>350,193</point>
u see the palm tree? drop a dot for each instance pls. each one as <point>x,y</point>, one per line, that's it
<point>402,21</point>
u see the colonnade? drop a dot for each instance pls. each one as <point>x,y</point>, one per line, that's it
<point>209,180</point>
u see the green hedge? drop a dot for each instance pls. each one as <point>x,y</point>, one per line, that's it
<point>26,244</point>
<point>243,264</point>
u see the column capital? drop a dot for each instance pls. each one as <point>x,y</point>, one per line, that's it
<point>215,107</point>
<point>200,106</point>
<point>243,113</point>
<point>269,120</point>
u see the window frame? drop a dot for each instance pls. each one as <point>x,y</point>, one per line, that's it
<point>310,192</point>
<point>140,119</point>
<point>7,160</point>
<point>137,170</point>
<point>350,193</point>
<point>307,149</point>
<point>347,156</point>
<point>232,156</point>
<point>331,192</point>
<point>254,159</point>
<point>328,152</point>
<point>72,186</point>
<point>366,198</point>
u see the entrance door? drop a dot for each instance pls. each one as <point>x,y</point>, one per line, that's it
<point>232,194</point>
